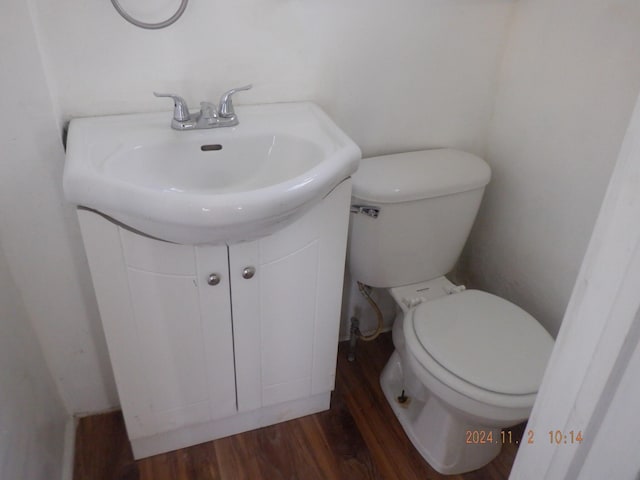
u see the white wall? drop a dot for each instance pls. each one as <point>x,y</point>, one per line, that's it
<point>32,417</point>
<point>395,75</point>
<point>39,231</point>
<point>566,91</point>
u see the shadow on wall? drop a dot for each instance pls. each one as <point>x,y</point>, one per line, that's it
<point>33,418</point>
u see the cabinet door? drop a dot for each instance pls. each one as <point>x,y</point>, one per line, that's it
<point>286,317</point>
<point>168,331</point>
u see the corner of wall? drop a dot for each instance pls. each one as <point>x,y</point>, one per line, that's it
<point>51,85</point>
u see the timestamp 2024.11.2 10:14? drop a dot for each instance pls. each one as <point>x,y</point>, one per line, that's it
<point>555,437</point>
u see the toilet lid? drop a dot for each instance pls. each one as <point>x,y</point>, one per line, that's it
<point>484,340</point>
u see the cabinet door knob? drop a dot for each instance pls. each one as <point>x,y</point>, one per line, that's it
<point>213,279</point>
<point>248,272</point>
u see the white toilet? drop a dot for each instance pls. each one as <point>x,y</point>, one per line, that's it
<point>469,363</point>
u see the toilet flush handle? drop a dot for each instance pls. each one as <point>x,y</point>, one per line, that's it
<point>368,210</point>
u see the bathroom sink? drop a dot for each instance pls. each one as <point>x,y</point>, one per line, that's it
<point>207,186</point>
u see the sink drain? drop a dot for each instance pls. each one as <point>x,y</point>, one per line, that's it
<point>208,148</point>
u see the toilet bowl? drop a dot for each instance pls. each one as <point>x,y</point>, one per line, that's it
<point>466,363</point>
<point>470,364</point>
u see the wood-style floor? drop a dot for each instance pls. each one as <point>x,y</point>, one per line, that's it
<point>358,438</point>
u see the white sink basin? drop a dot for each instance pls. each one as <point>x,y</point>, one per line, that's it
<point>207,186</point>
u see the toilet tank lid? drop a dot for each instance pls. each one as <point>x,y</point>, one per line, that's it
<point>404,177</point>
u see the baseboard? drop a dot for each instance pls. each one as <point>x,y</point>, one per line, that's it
<point>69,448</point>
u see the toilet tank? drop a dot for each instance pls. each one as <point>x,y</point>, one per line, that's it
<point>412,213</point>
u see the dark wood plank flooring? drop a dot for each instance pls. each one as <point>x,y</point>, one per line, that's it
<point>358,438</point>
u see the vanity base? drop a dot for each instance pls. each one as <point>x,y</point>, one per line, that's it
<point>224,427</point>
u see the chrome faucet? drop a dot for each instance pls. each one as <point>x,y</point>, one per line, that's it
<point>209,116</point>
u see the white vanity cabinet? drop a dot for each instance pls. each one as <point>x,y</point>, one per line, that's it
<point>211,340</point>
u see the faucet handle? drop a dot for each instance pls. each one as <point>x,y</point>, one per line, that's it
<point>180,110</point>
<point>225,110</point>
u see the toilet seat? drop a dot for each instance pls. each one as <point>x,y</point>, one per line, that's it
<point>480,346</point>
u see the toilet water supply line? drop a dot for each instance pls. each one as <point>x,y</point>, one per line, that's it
<point>151,26</point>
<point>354,331</point>
<point>366,293</point>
